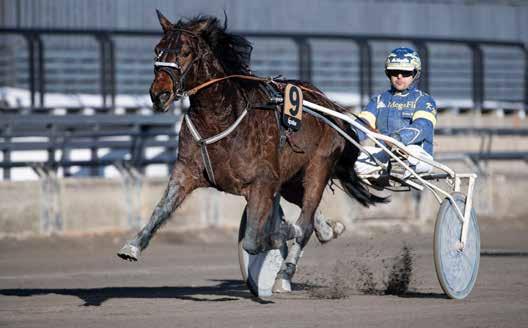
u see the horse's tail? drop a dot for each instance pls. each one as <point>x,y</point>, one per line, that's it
<point>351,183</point>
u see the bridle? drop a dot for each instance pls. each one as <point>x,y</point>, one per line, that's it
<point>169,68</point>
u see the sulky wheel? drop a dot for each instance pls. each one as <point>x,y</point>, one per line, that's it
<point>259,271</point>
<point>456,268</point>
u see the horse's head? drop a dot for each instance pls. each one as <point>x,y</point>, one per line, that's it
<point>192,52</point>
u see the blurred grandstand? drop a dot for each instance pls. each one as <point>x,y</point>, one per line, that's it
<point>73,65</point>
<point>95,58</point>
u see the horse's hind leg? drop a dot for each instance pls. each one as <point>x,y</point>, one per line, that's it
<point>318,171</point>
<point>181,183</point>
<point>324,228</point>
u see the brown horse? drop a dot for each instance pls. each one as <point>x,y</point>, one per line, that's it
<point>251,161</point>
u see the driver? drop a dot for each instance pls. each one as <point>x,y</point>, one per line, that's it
<point>403,112</point>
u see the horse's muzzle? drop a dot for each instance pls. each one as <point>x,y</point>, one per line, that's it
<point>164,97</point>
<point>162,101</point>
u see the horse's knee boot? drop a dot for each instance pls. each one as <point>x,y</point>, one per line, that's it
<point>286,232</point>
<point>276,241</point>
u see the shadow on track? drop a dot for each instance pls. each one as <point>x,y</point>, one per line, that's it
<point>413,294</point>
<point>229,290</point>
<point>503,253</point>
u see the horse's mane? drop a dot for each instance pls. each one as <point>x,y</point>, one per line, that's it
<point>232,51</point>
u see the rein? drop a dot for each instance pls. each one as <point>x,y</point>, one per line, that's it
<point>245,77</point>
<point>204,85</point>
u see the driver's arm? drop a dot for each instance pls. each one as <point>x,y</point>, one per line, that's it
<point>423,123</point>
<point>367,117</point>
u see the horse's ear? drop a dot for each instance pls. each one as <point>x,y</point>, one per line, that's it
<point>165,23</point>
<point>225,20</point>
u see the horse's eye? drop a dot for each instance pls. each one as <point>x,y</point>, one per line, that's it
<point>185,53</point>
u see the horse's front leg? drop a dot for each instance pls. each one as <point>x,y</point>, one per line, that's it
<point>181,183</point>
<point>260,232</point>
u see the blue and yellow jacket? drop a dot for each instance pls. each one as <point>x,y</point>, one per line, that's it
<point>411,114</point>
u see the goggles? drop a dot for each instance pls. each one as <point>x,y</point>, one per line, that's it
<point>395,73</point>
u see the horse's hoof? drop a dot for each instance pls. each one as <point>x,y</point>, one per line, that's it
<point>326,230</point>
<point>338,227</point>
<point>129,253</point>
<point>282,286</point>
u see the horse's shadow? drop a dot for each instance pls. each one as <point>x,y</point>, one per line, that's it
<point>225,290</point>
<point>416,294</point>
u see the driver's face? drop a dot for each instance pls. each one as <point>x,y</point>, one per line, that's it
<point>401,80</point>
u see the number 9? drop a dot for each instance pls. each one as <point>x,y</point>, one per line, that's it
<point>294,99</point>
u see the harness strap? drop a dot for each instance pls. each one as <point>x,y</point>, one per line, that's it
<point>204,142</point>
<point>166,64</point>
<point>219,136</point>
<point>203,149</point>
<point>207,163</point>
<point>273,94</point>
<point>207,141</point>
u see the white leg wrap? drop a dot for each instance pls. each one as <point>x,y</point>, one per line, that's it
<point>294,253</point>
<point>283,282</point>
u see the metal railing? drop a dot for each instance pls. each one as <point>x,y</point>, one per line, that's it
<point>479,159</point>
<point>125,138</point>
<point>107,58</point>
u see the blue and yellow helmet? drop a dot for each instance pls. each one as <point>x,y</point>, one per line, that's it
<point>403,59</point>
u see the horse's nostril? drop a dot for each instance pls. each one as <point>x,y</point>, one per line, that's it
<point>163,97</point>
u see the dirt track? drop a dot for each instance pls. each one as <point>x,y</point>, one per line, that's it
<point>184,282</point>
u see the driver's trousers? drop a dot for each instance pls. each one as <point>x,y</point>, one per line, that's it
<point>366,166</point>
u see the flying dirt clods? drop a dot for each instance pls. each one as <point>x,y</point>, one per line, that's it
<point>355,277</point>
